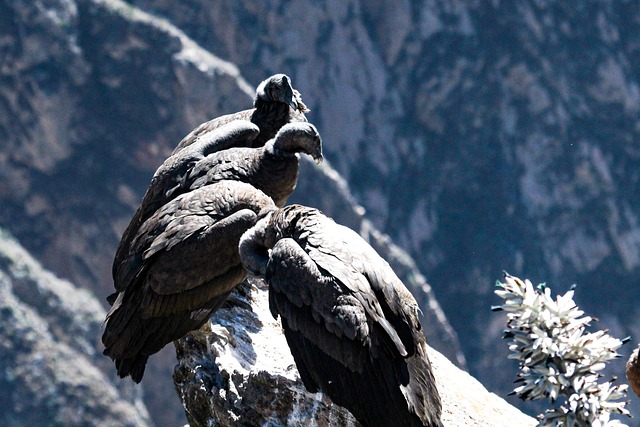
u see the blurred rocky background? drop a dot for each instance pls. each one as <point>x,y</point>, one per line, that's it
<point>52,370</point>
<point>463,138</point>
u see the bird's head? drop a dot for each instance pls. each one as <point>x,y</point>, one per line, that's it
<point>255,244</point>
<point>299,137</point>
<point>292,220</point>
<point>302,108</point>
<point>277,88</point>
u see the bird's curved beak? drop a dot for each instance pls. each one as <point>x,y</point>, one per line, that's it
<point>317,157</point>
<point>316,152</point>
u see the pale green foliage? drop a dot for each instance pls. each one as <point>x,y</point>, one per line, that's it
<point>558,358</point>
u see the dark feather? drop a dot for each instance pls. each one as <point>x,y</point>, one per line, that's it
<point>179,269</point>
<point>170,180</point>
<point>276,104</point>
<point>351,324</point>
<point>272,168</point>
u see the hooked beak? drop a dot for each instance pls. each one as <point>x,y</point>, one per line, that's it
<point>317,157</point>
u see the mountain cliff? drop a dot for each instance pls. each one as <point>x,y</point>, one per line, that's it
<point>51,368</point>
<point>478,136</point>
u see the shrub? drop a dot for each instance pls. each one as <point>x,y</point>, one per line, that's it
<point>558,358</point>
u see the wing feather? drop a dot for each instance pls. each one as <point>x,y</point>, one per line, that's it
<point>315,305</point>
<point>346,256</point>
<point>181,267</point>
<point>172,179</point>
<point>204,130</point>
<point>188,218</point>
<point>347,318</point>
<point>207,254</point>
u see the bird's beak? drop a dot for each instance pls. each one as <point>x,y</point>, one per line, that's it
<point>317,157</point>
<point>293,103</point>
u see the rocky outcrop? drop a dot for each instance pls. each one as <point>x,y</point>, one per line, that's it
<point>237,370</point>
<point>49,364</point>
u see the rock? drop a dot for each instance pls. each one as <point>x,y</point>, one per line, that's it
<point>48,334</point>
<point>467,403</point>
<point>237,370</point>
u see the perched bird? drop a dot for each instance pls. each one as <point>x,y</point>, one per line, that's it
<point>351,324</point>
<point>171,180</point>
<point>179,268</point>
<point>272,168</point>
<point>276,103</point>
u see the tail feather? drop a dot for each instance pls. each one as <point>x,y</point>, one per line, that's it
<point>133,367</point>
<point>130,339</point>
<point>388,391</point>
<point>421,393</point>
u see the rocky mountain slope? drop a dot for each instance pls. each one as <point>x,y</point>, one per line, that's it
<point>50,363</point>
<point>480,136</point>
